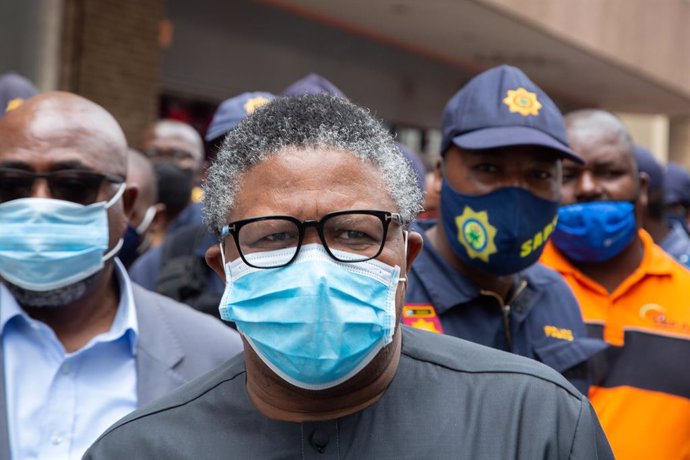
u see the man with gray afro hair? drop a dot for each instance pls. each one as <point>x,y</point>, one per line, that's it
<point>327,368</point>
<point>316,120</point>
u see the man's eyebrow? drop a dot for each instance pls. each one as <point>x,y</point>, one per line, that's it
<point>608,163</point>
<point>15,164</point>
<point>63,165</point>
<point>72,164</point>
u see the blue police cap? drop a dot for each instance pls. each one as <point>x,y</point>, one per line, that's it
<point>648,164</point>
<point>312,84</point>
<point>677,185</point>
<point>13,89</point>
<point>416,164</point>
<point>501,107</point>
<point>231,111</point>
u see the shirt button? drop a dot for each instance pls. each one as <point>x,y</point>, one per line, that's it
<point>66,368</point>
<point>319,441</point>
<point>56,439</point>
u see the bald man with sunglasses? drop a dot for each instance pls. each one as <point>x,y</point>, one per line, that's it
<point>99,346</point>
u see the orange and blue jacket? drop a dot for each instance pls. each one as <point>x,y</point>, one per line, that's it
<point>641,384</point>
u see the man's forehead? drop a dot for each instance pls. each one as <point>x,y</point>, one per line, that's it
<point>60,129</point>
<point>602,150</point>
<point>177,134</point>
<point>506,153</point>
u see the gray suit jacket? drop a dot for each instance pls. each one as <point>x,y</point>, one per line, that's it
<point>175,344</point>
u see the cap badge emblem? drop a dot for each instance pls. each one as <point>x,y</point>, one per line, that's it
<point>523,102</point>
<point>476,234</point>
<point>254,103</point>
<point>14,103</point>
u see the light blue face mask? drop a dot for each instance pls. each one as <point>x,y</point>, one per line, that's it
<point>316,322</point>
<point>47,244</point>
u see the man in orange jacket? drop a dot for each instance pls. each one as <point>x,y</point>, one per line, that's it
<point>632,294</point>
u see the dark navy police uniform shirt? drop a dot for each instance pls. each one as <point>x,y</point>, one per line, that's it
<point>542,321</point>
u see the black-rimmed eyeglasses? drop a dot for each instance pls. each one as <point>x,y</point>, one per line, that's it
<point>347,236</point>
<point>73,185</point>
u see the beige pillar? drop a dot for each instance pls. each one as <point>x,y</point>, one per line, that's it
<point>679,140</point>
<point>110,54</point>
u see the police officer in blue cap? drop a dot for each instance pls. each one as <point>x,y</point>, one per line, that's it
<point>499,180</point>
<point>668,233</point>
<point>678,195</point>
<point>177,268</point>
<point>314,83</point>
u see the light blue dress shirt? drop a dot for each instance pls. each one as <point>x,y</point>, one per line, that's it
<point>58,403</point>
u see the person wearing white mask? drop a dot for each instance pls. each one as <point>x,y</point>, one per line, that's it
<point>147,210</point>
<point>98,345</point>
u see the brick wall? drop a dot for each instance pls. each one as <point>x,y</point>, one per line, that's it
<point>110,54</point>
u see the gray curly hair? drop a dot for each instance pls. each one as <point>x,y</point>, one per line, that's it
<point>309,121</point>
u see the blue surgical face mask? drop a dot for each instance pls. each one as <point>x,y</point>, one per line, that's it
<point>595,231</point>
<point>47,244</point>
<point>316,322</point>
<point>502,232</point>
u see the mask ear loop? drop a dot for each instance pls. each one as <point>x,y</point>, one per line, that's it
<point>117,196</point>
<point>403,279</point>
<point>225,266</point>
<point>146,221</point>
<point>110,254</point>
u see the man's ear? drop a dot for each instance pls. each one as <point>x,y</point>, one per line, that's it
<point>215,261</point>
<point>642,199</point>
<point>414,247</point>
<point>129,197</point>
<point>643,195</point>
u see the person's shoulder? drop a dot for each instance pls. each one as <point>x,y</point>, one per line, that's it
<point>662,262</point>
<point>144,270</point>
<point>187,398</point>
<point>189,325</point>
<point>458,356</point>
<point>540,274</point>
<point>554,291</point>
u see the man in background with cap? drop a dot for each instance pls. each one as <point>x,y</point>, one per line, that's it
<point>632,294</point>
<point>14,89</point>
<point>667,233</point>
<point>177,269</point>
<point>678,195</point>
<point>314,83</point>
<point>477,277</point>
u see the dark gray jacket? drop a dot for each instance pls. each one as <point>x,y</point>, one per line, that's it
<point>449,399</point>
<point>175,344</point>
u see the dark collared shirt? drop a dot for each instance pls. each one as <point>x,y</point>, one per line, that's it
<point>449,399</point>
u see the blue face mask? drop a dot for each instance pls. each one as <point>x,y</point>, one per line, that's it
<point>502,232</point>
<point>47,244</point>
<point>135,241</point>
<point>316,322</point>
<point>595,231</point>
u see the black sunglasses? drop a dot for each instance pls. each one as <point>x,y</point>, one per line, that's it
<point>77,186</point>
